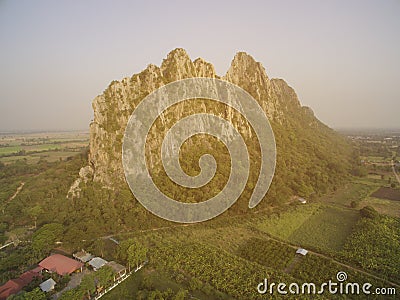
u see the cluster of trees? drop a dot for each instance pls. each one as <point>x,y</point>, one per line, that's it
<point>369,212</point>
<point>35,294</point>
<point>44,239</point>
<point>41,201</point>
<point>132,252</point>
<point>13,262</point>
<point>42,198</point>
<point>373,149</point>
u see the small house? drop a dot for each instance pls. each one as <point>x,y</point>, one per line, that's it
<point>119,270</point>
<point>97,262</point>
<point>60,264</point>
<point>83,256</point>
<point>301,251</point>
<point>48,285</point>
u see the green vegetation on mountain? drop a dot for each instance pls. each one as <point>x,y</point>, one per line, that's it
<point>312,159</point>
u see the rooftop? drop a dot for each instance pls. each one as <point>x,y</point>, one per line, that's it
<point>48,285</point>
<point>83,256</point>
<point>116,266</point>
<point>301,251</point>
<point>97,263</point>
<point>60,264</point>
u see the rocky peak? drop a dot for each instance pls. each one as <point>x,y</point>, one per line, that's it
<point>204,68</point>
<point>250,75</point>
<point>177,66</point>
<point>245,68</point>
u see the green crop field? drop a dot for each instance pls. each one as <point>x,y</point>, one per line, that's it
<point>327,229</point>
<point>284,224</point>
<point>267,252</point>
<point>9,150</point>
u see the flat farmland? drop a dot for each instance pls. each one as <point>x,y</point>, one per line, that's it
<point>383,206</point>
<point>49,146</point>
<point>327,229</point>
<point>387,193</point>
<point>353,191</point>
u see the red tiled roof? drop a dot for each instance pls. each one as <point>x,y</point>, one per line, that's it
<point>60,264</point>
<point>12,286</point>
<point>37,269</point>
<point>28,276</point>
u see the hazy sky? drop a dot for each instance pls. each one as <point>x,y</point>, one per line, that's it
<point>341,57</point>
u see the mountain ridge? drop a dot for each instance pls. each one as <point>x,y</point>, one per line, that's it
<point>294,125</point>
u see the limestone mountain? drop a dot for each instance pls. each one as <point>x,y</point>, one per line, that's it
<point>311,158</point>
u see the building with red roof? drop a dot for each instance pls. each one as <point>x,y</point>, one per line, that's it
<point>14,286</point>
<point>60,264</point>
<point>28,276</point>
<point>11,287</point>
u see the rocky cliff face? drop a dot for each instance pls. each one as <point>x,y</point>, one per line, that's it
<point>113,108</point>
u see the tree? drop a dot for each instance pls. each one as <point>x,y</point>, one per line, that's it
<point>353,204</point>
<point>104,276</point>
<point>35,294</point>
<point>123,249</point>
<point>73,294</point>
<point>136,253</point>
<point>44,238</point>
<point>181,295</point>
<point>369,212</point>
<point>34,213</point>
<point>87,285</point>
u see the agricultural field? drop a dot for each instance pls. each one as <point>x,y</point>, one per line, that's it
<point>374,246</point>
<point>268,253</point>
<point>387,193</point>
<point>150,283</point>
<point>383,206</point>
<point>352,192</point>
<point>48,146</point>
<point>180,260</point>
<point>318,226</point>
<point>327,229</point>
<point>283,225</point>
